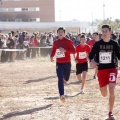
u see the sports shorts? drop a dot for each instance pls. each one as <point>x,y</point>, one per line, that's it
<point>107,76</point>
<point>80,67</point>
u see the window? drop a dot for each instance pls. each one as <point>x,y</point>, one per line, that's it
<point>18,20</point>
<point>35,19</point>
<point>24,9</point>
<point>11,10</point>
<point>19,9</point>
<point>37,9</point>
<point>3,9</point>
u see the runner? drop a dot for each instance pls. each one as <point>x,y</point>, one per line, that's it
<point>81,59</point>
<point>91,43</point>
<point>62,48</point>
<point>106,51</point>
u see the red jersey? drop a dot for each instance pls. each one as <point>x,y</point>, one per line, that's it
<point>67,45</point>
<point>91,43</point>
<point>82,52</point>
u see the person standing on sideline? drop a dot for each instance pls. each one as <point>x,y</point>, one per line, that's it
<point>62,48</point>
<point>91,43</point>
<point>106,51</point>
<point>81,59</point>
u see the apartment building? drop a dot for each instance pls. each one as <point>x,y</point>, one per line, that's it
<point>27,10</point>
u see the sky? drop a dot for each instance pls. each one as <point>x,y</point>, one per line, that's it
<point>86,10</point>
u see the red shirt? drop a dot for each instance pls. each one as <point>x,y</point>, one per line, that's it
<point>36,42</point>
<point>67,45</point>
<point>82,52</point>
<point>91,43</point>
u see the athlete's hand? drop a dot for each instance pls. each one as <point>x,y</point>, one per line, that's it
<point>93,64</point>
<point>62,49</point>
<point>119,63</point>
<point>76,61</point>
<point>51,59</point>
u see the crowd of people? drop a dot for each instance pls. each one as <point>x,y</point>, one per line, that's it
<point>23,40</point>
<point>31,42</point>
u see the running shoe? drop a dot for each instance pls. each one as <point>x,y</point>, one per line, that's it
<point>62,98</point>
<point>82,91</point>
<point>111,117</point>
<point>94,77</point>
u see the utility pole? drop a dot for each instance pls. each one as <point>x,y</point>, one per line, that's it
<point>92,22</point>
<point>103,11</point>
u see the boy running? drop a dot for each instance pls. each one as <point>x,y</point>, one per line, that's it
<point>62,48</point>
<point>81,59</point>
<point>106,51</point>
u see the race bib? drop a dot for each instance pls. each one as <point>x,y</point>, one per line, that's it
<point>82,55</point>
<point>105,57</point>
<point>59,54</point>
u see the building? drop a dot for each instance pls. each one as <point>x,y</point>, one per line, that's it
<point>27,10</point>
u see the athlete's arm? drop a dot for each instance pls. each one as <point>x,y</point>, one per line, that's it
<point>93,52</point>
<point>117,50</point>
<point>71,48</point>
<point>91,56</point>
<point>52,53</point>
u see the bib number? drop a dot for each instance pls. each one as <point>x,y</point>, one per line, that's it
<point>59,54</point>
<point>105,57</point>
<point>82,55</point>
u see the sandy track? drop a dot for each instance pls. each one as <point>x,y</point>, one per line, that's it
<point>28,91</point>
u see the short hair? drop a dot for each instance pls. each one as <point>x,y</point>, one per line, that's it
<point>107,26</point>
<point>79,34</point>
<point>82,33</point>
<point>82,36</point>
<point>16,36</point>
<point>96,33</point>
<point>61,28</point>
<point>12,32</point>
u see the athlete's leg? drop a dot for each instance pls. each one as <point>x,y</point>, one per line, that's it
<point>104,91</point>
<point>78,71</point>
<point>84,73</point>
<point>112,84</point>
<point>111,96</point>
<point>96,70</point>
<point>59,71</point>
<point>78,76</point>
<point>67,70</point>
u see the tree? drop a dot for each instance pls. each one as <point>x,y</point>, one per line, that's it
<point>115,25</point>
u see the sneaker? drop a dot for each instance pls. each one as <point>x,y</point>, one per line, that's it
<point>82,91</point>
<point>62,98</point>
<point>94,77</point>
<point>111,117</point>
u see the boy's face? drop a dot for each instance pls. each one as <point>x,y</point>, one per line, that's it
<point>82,40</point>
<point>106,33</point>
<point>61,34</point>
<point>95,37</point>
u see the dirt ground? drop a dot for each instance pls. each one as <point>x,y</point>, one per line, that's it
<point>28,91</point>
